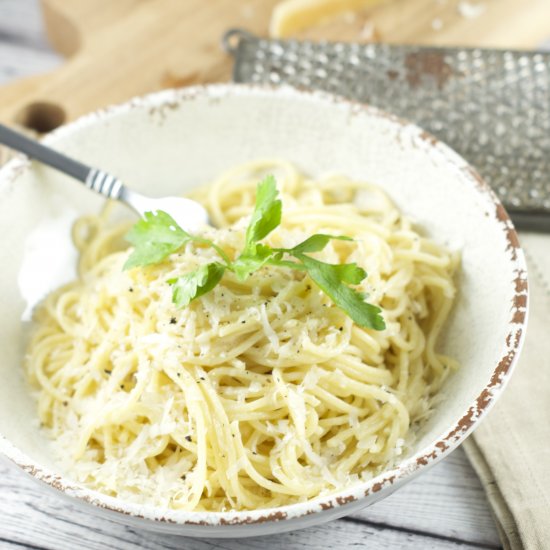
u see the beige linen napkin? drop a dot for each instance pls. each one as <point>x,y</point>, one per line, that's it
<point>510,450</point>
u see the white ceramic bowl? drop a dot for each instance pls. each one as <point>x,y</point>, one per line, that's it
<point>166,143</point>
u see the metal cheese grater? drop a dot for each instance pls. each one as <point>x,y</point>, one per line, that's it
<point>491,106</point>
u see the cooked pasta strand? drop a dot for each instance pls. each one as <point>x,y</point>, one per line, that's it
<point>260,393</point>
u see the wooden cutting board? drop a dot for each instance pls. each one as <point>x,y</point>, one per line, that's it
<point>117,49</point>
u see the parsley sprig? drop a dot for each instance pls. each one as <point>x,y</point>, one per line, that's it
<point>157,235</point>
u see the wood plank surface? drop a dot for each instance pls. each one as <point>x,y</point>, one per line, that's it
<point>443,509</point>
<point>24,50</point>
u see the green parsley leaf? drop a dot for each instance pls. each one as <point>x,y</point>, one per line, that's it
<point>157,235</point>
<point>265,218</point>
<point>275,260</point>
<point>349,273</point>
<point>154,237</point>
<point>251,261</point>
<point>329,278</point>
<point>196,283</point>
<point>316,243</point>
<point>267,213</point>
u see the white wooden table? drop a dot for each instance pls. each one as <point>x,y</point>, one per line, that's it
<point>444,509</point>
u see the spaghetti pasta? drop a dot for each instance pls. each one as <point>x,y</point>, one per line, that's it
<point>260,393</point>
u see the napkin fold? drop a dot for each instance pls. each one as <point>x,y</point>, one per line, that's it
<point>510,450</point>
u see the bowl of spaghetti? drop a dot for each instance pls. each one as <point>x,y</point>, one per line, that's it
<point>348,318</point>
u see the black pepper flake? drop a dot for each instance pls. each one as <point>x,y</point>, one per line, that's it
<point>65,403</point>
<point>130,289</point>
<point>188,438</point>
<point>254,453</point>
<point>203,378</point>
<point>243,322</point>
<point>308,287</point>
<point>121,386</point>
<point>341,329</point>
<point>173,321</point>
<point>178,373</point>
<point>183,477</point>
<point>107,371</point>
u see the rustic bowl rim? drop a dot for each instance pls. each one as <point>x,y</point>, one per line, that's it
<point>440,447</point>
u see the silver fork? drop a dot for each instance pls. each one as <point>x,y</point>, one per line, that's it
<point>187,213</point>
